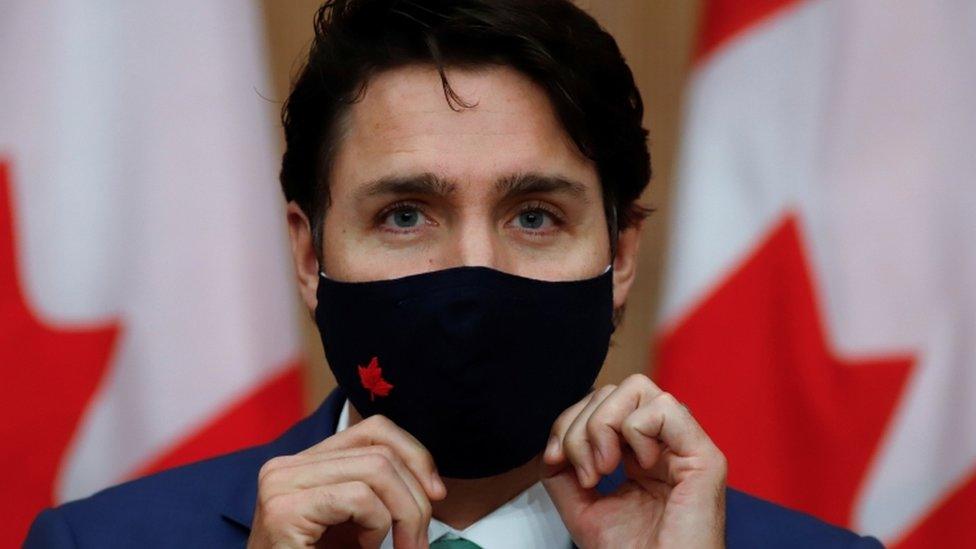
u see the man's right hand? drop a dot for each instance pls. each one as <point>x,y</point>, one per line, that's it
<point>351,488</point>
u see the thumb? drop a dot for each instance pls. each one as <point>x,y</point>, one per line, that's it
<point>570,498</point>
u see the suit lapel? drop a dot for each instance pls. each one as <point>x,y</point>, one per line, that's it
<point>611,482</point>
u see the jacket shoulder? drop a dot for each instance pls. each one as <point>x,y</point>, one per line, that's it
<point>208,503</point>
<point>753,522</point>
<point>176,507</point>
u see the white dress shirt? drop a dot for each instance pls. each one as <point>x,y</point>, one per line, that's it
<point>527,521</point>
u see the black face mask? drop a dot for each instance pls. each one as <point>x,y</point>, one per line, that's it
<point>475,363</point>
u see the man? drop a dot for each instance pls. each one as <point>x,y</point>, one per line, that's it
<point>461,178</point>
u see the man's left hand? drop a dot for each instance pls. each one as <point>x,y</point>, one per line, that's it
<point>674,495</point>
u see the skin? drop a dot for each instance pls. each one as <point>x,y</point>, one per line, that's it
<point>417,187</point>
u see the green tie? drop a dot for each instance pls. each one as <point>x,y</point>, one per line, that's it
<point>456,543</point>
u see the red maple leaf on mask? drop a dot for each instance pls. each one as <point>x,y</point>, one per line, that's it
<point>372,379</point>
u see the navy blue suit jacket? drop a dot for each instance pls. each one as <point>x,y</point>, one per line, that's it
<point>211,504</point>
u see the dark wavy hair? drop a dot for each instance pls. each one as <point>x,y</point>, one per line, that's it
<point>553,42</point>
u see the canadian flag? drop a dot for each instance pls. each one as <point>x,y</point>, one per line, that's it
<point>820,312</point>
<point>147,306</point>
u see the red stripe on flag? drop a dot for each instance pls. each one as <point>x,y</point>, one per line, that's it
<point>722,20</point>
<point>49,372</point>
<point>255,419</point>
<point>949,524</point>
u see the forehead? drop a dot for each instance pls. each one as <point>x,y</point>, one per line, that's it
<point>404,124</point>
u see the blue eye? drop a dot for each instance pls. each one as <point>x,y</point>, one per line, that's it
<point>532,219</point>
<point>404,218</point>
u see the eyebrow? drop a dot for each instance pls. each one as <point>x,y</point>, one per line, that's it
<point>510,186</point>
<point>531,183</point>
<point>421,184</point>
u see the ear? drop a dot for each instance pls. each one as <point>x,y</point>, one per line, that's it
<point>303,254</point>
<point>625,264</point>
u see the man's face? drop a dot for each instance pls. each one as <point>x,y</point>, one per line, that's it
<point>418,187</point>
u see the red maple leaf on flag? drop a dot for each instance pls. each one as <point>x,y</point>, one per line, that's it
<point>49,376</point>
<point>799,424</point>
<point>372,379</point>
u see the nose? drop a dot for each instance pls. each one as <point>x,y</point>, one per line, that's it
<point>475,244</point>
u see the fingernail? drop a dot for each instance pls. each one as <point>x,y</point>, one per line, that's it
<point>437,483</point>
<point>552,447</point>
<point>597,455</point>
<point>583,473</point>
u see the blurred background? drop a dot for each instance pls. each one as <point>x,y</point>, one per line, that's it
<point>807,284</point>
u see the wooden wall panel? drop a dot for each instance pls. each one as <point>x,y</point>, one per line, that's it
<point>656,38</point>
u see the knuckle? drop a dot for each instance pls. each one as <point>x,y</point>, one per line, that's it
<point>360,494</point>
<point>414,453</point>
<point>326,498</point>
<point>630,424</point>
<point>426,464</point>
<point>605,391</point>
<point>561,424</point>
<point>650,423</point>
<point>428,460</point>
<point>574,445</point>
<point>667,399</point>
<point>721,461</point>
<point>378,422</point>
<point>270,465</point>
<point>595,426</point>
<point>379,463</point>
<point>276,510</point>
<point>383,451</point>
<point>270,468</point>
<point>573,431</point>
<point>264,497</point>
<point>718,467</point>
<point>639,382</point>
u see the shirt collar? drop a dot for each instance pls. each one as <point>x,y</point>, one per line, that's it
<point>527,521</point>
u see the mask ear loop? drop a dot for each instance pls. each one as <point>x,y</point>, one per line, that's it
<point>614,234</point>
<point>315,227</point>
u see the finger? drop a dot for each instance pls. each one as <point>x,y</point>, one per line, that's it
<point>604,426</point>
<point>554,454</point>
<point>702,496</point>
<point>647,451</point>
<point>410,520</point>
<point>313,511</point>
<point>289,473</point>
<point>664,422</point>
<point>569,497</point>
<point>379,430</point>
<point>576,445</point>
<point>649,477</point>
